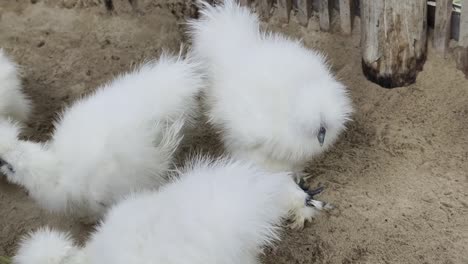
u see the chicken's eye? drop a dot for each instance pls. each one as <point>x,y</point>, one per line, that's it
<point>321,135</point>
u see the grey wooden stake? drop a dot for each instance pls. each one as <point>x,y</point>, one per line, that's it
<point>304,9</point>
<point>324,15</point>
<point>346,16</point>
<point>393,40</point>
<point>284,10</point>
<point>463,40</point>
<point>443,17</point>
<point>461,52</point>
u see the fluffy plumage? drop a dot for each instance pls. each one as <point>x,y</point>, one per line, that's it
<point>13,103</point>
<point>217,212</point>
<point>47,246</point>
<point>120,139</point>
<point>275,101</point>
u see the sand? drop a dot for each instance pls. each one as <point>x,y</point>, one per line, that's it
<point>398,175</point>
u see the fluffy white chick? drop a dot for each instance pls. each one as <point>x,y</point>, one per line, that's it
<point>274,101</point>
<point>13,103</point>
<point>120,139</point>
<point>217,212</point>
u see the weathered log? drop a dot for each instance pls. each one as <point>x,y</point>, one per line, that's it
<point>284,10</point>
<point>443,17</point>
<point>463,39</point>
<point>304,10</point>
<point>346,16</point>
<point>462,51</point>
<point>393,40</point>
<point>324,14</point>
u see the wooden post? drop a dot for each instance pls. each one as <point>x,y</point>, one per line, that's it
<point>324,15</point>
<point>244,2</point>
<point>462,51</point>
<point>346,16</point>
<point>463,39</point>
<point>304,9</point>
<point>284,10</point>
<point>393,40</point>
<point>264,8</point>
<point>443,17</point>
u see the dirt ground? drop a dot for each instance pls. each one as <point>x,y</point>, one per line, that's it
<point>398,175</point>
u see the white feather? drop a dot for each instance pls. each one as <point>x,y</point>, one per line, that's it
<point>46,246</point>
<point>269,95</point>
<point>118,140</point>
<point>13,103</point>
<point>220,211</point>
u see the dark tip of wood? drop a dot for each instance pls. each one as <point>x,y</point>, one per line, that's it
<point>109,5</point>
<point>395,80</point>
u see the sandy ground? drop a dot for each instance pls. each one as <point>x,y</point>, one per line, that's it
<point>398,174</point>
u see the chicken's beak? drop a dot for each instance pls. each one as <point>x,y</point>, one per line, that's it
<point>2,162</point>
<point>8,166</point>
<point>321,135</point>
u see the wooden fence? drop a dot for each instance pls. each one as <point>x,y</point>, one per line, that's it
<point>449,20</point>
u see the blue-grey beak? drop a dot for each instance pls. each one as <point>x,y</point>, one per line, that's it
<point>8,166</point>
<point>321,135</point>
<point>2,162</point>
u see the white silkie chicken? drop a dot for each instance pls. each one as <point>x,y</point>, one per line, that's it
<point>274,101</point>
<point>118,140</point>
<point>13,103</point>
<point>217,212</point>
